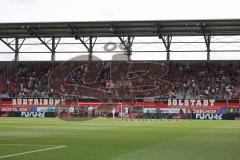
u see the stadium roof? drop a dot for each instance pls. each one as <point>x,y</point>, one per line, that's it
<point>219,27</point>
<point>50,34</point>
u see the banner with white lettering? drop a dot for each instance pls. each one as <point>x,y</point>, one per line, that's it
<point>151,103</point>
<point>28,102</point>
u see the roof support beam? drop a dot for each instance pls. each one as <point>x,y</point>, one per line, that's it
<point>7,44</point>
<point>16,50</point>
<point>83,42</point>
<point>32,32</point>
<point>54,47</point>
<point>91,40</point>
<point>53,50</point>
<point>207,39</point>
<point>16,47</point>
<point>57,43</point>
<point>208,42</point>
<point>167,40</point>
<point>90,48</point>
<point>127,43</point>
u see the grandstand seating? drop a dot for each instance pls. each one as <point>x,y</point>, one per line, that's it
<point>219,80</point>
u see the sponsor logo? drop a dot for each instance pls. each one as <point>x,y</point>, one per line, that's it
<point>170,110</point>
<point>14,109</point>
<point>33,114</point>
<point>209,116</point>
<point>202,111</point>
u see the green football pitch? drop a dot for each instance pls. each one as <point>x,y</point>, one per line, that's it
<point>114,139</point>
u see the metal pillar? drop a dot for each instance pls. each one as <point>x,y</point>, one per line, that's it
<point>208,42</point>
<point>169,40</point>
<point>90,49</point>
<point>166,39</point>
<point>207,39</point>
<point>129,51</point>
<point>127,45</point>
<point>167,43</point>
<point>16,58</point>
<point>53,50</point>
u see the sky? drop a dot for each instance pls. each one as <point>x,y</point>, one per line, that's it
<point>97,10</point>
<point>108,10</point>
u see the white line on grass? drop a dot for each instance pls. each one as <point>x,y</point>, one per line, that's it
<point>29,152</point>
<point>12,144</point>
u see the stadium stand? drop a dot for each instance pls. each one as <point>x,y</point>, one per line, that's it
<point>218,80</point>
<point>206,80</point>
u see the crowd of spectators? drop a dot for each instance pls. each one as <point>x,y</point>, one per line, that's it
<point>27,80</point>
<point>218,80</point>
<point>77,79</point>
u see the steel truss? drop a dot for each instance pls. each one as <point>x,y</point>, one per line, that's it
<point>14,36</point>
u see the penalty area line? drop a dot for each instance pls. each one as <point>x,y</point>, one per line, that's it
<point>33,151</point>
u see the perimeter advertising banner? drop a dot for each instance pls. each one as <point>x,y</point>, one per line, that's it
<point>29,107</point>
<point>199,109</point>
<point>154,103</point>
<point>26,102</point>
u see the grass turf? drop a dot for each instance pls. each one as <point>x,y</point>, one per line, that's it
<point>113,139</point>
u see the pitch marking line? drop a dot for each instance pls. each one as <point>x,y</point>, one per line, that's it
<point>12,144</point>
<point>33,151</point>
